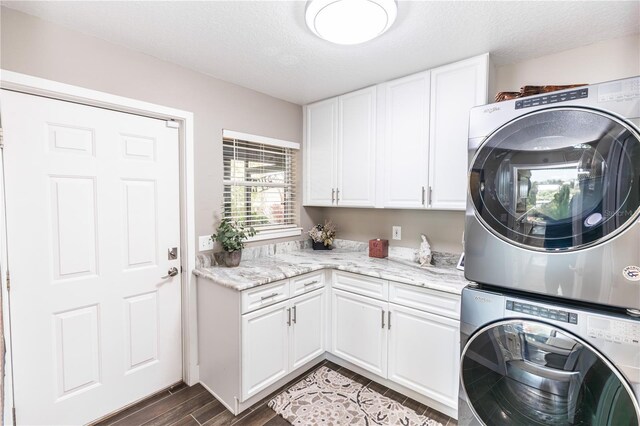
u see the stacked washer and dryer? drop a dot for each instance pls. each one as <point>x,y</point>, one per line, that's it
<point>550,334</point>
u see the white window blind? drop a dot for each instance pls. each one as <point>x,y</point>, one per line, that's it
<point>259,183</point>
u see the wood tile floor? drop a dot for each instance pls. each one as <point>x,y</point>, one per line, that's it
<point>195,406</point>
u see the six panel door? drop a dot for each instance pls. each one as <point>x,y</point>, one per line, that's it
<point>92,202</point>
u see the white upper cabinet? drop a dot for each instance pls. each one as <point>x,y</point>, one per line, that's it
<point>401,144</point>
<point>455,89</point>
<point>339,158</point>
<point>320,143</point>
<point>356,149</point>
<point>406,141</point>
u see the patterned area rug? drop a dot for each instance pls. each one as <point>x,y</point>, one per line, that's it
<point>327,398</point>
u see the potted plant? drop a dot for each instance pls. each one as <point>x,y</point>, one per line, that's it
<point>322,236</point>
<point>231,236</point>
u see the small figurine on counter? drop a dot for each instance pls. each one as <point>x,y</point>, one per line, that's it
<point>424,255</point>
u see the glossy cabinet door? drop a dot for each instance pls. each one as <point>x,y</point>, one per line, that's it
<point>423,353</point>
<point>320,144</point>
<point>356,149</point>
<point>455,89</point>
<point>265,347</point>
<point>307,332</point>
<point>406,141</point>
<point>359,332</point>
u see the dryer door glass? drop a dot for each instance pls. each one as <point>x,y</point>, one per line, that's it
<point>561,178</point>
<point>520,372</point>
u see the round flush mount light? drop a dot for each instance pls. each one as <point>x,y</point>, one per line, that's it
<point>350,21</point>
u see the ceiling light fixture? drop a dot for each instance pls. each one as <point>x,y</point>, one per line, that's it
<point>350,21</point>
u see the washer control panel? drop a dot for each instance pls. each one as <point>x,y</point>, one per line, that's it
<point>542,312</point>
<point>611,330</point>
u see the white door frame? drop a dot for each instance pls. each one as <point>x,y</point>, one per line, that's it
<point>38,86</point>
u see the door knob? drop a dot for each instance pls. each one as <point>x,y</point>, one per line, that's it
<point>172,272</point>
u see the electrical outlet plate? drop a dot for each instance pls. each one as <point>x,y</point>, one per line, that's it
<point>396,232</point>
<point>205,243</point>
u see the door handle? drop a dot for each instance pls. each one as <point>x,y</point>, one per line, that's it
<point>172,272</point>
<point>289,316</point>
<point>389,321</point>
<point>295,315</point>
<point>333,195</point>
<point>337,195</point>
<point>383,319</point>
<point>423,195</point>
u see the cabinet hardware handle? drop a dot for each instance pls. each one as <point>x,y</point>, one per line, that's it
<point>389,321</point>
<point>430,195</point>
<point>288,316</point>
<point>311,283</point>
<point>337,195</point>
<point>269,296</point>
<point>423,195</point>
<point>295,314</point>
<point>382,319</point>
<point>333,195</point>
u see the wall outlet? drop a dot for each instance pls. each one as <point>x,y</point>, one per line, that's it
<point>396,232</point>
<point>205,243</point>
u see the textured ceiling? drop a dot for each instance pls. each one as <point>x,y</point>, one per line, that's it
<point>266,46</point>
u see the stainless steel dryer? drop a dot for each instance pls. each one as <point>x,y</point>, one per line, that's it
<point>554,194</point>
<point>526,361</point>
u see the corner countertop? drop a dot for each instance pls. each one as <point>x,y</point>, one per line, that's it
<point>264,270</point>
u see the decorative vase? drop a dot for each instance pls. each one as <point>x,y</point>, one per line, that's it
<point>320,246</point>
<point>232,259</point>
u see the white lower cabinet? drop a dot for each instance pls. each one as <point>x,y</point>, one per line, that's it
<point>265,347</point>
<point>359,333</point>
<point>280,338</point>
<point>423,353</point>
<point>308,323</point>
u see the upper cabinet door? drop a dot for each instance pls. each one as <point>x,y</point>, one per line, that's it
<point>406,141</point>
<point>321,133</point>
<point>455,89</point>
<point>356,149</point>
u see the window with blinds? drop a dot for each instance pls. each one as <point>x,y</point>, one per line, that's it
<point>259,182</point>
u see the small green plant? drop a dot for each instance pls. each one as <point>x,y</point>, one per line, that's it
<point>231,235</point>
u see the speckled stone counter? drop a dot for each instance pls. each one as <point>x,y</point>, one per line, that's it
<point>352,258</point>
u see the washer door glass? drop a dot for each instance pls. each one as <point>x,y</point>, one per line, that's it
<point>561,178</point>
<point>520,372</point>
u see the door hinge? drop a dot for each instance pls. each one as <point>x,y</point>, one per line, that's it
<point>8,281</point>
<point>173,124</point>
<point>181,269</point>
<point>1,139</point>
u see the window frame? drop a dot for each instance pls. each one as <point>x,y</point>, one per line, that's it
<point>283,231</point>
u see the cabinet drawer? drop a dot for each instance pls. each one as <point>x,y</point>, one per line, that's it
<point>306,283</point>
<point>264,295</point>
<point>424,299</point>
<point>360,284</point>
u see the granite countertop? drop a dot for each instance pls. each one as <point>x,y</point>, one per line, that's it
<point>262,270</point>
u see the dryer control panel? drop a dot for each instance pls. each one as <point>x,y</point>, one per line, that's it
<point>619,90</point>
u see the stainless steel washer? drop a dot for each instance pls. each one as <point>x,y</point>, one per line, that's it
<point>525,361</point>
<point>554,194</point>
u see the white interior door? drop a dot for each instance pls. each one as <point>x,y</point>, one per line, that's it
<point>92,207</point>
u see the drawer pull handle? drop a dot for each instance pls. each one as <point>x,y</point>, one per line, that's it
<point>383,319</point>
<point>311,283</point>
<point>269,296</point>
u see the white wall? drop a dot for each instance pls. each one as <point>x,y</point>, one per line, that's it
<point>595,63</point>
